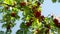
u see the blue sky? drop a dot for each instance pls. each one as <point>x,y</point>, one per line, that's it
<point>47,8</point>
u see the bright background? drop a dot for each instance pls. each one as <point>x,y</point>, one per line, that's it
<point>47,8</point>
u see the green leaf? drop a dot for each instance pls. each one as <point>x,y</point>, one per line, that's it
<point>17,17</point>
<point>9,2</point>
<point>15,10</point>
<point>4,25</point>
<point>1,0</point>
<point>22,25</point>
<point>41,1</point>
<point>12,25</point>
<point>54,1</point>
<point>19,32</point>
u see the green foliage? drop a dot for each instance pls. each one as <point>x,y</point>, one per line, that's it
<point>54,1</point>
<point>9,2</point>
<point>31,9</point>
<point>20,31</point>
<point>1,0</point>
<point>41,1</point>
<point>22,25</point>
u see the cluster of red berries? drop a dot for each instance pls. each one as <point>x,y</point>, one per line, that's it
<point>56,22</point>
<point>22,3</point>
<point>30,22</point>
<point>37,14</point>
<point>41,18</point>
<point>13,14</point>
<point>34,8</point>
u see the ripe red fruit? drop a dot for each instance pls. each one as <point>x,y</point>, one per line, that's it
<point>56,23</point>
<point>34,8</point>
<point>37,14</point>
<point>13,14</point>
<point>23,3</point>
<point>28,24</point>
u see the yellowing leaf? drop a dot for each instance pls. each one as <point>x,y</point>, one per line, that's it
<point>9,2</point>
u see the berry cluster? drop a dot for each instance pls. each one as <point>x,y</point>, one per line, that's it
<point>13,14</point>
<point>37,14</point>
<point>56,22</point>
<point>22,3</point>
<point>30,22</point>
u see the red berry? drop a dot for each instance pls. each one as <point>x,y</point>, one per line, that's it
<point>37,14</point>
<point>34,8</point>
<point>56,22</point>
<point>23,3</point>
<point>13,14</point>
<point>28,24</point>
<point>59,25</point>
